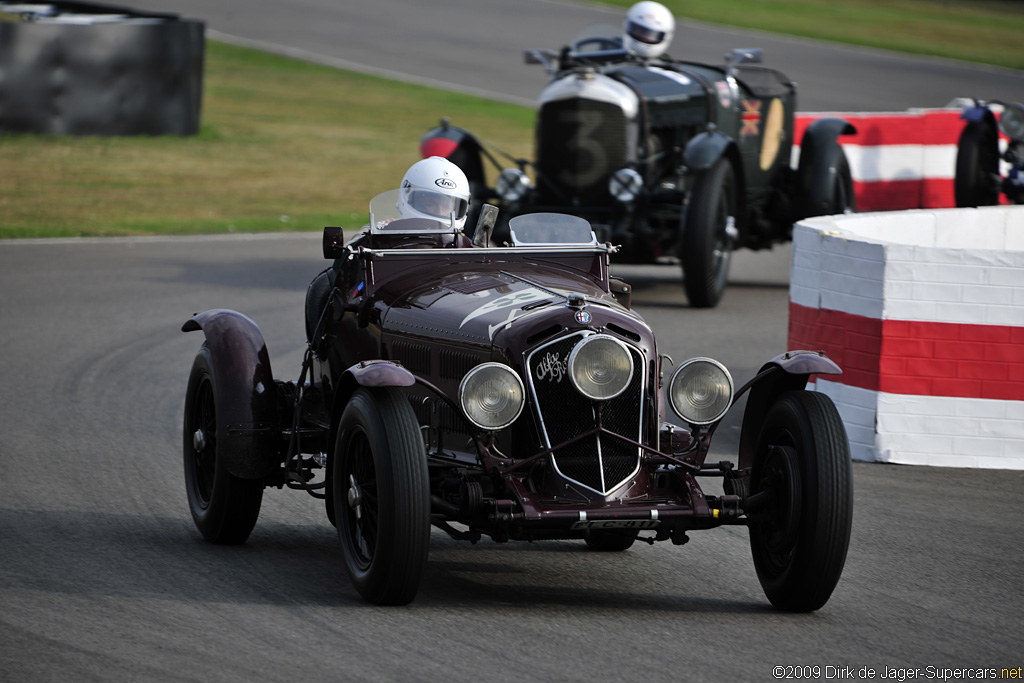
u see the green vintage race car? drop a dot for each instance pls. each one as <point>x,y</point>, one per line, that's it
<point>672,161</point>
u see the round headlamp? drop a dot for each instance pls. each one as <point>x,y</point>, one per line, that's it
<point>492,396</point>
<point>700,391</point>
<point>512,184</point>
<point>1011,121</point>
<point>600,367</point>
<point>625,184</point>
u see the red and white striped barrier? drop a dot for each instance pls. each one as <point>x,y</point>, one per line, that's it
<point>924,312</point>
<point>902,160</point>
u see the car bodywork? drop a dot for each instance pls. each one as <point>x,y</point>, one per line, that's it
<point>672,161</point>
<point>507,392</point>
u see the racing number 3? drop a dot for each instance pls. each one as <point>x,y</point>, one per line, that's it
<point>585,147</point>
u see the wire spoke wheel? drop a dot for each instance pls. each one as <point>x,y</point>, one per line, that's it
<point>224,507</point>
<point>381,494</point>
<point>709,235</point>
<point>802,464</point>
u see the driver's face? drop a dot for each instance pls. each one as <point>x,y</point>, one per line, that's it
<point>435,205</point>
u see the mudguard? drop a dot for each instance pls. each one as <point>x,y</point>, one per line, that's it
<point>819,157</point>
<point>368,373</point>
<point>458,146</point>
<point>705,149</point>
<point>979,113</point>
<point>787,372</point>
<point>248,433</point>
<point>373,373</point>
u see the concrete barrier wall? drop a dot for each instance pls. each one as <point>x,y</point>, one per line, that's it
<point>924,311</point>
<point>83,69</point>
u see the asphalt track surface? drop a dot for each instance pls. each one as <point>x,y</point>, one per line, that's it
<point>104,578</point>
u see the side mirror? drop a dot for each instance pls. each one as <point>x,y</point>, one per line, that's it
<point>334,242</point>
<point>745,55</point>
<point>622,292</point>
<point>485,225</point>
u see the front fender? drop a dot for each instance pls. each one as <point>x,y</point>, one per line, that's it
<point>705,149</point>
<point>786,372</point>
<point>247,416</point>
<point>819,158</point>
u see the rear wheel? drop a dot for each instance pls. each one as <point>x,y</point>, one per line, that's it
<point>976,182</point>
<point>709,235</point>
<point>799,540</point>
<point>382,496</point>
<point>224,507</point>
<point>843,199</point>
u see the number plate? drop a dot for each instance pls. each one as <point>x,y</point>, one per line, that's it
<point>617,524</point>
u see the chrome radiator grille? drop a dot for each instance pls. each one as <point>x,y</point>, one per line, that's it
<point>598,462</point>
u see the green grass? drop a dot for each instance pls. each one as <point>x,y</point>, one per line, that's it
<point>985,31</point>
<point>284,145</point>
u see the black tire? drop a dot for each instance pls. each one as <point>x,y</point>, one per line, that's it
<point>799,541</point>
<point>843,199</point>
<point>224,507</point>
<point>707,245</point>
<point>976,182</point>
<point>382,496</point>
<point>611,541</point>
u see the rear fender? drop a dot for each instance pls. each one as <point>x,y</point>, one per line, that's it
<point>819,157</point>
<point>787,372</point>
<point>248,425</point>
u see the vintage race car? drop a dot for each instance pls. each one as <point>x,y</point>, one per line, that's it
<point>675,162</point>
<point>507,392</point>
<point>978,181</point>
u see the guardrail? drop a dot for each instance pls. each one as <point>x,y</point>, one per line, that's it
<point>898,160</point>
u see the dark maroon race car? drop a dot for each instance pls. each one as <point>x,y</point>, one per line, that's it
<point>510,393</point>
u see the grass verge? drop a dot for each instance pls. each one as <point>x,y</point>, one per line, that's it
<point>284,145</point>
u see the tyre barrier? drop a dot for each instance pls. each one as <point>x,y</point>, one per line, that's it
<point>924,312</point>
<point>74,68</point>
<point>898,160</point>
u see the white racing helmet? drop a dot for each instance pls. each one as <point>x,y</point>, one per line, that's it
<point>648,29</point>
<point>435,189</point>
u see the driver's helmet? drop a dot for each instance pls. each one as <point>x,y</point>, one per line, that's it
<point>436,189</point>
<point>648,29</point>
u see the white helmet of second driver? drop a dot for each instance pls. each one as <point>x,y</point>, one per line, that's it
<point>648,29</point>
<point>436,189</point>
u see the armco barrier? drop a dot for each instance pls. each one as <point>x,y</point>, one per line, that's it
<point>75,68</point>
<point>924,311</point>
<point>900,160</point>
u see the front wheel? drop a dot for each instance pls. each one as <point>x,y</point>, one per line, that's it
<point>976,182</point>
<point>709,235</point>
<point>800,538</point>
<point>224,507</point>
<point>382,495</point>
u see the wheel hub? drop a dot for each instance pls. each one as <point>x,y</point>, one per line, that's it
<point>199,440</point>
<point>355,496</point>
